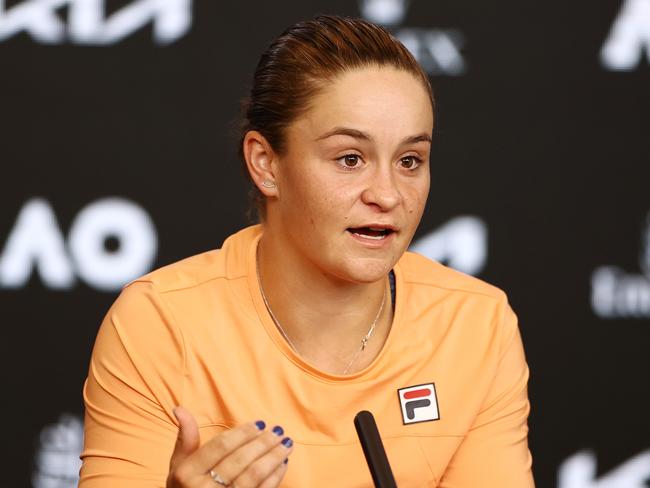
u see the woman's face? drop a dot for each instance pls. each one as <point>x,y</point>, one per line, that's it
<point>354,179</point>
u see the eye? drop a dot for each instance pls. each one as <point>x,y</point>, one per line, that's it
<point>350,161</point>
<point>410,162</point>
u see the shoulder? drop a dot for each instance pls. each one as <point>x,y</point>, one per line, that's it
<point>478,312</point>
<point>473,317</point>
<point>154,303</point>
<point>422,271</point>
<point>228,262</point>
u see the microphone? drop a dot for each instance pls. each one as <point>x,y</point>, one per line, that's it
<point>374,451</point>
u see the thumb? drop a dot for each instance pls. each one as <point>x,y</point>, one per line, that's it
<point>188,435</point>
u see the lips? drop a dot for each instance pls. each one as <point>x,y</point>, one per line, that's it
<point>372,232</point>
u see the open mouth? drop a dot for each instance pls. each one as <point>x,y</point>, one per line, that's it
<point>375,233</point>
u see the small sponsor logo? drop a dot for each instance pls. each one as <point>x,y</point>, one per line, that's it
<point>57,463</point>
<point>439,51</point>
<point>418,403</point>
<point>385,12</point>
<point>617,294</point>
<point>87,23</point>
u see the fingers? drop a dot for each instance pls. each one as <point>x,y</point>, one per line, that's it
<point>188,436</point>
<point>253,462</point>
<point>275,477</point>
<point>246,456</point>
<point>217,448</point>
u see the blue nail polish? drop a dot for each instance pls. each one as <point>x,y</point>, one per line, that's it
<point>277,430</point>
<point>287,442</point>
<point>260,424</point>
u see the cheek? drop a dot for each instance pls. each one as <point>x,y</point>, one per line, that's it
<point>324,196</point>
<point>309,202</point>
<point>417,197</point>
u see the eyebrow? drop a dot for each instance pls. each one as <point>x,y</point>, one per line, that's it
<point>357,134</point>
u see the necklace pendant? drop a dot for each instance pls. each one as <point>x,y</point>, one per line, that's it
<point>364,343</point>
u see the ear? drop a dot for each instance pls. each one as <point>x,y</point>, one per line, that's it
<point>260,157</point>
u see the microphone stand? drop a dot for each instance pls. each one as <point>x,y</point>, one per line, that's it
<point>373,449</point>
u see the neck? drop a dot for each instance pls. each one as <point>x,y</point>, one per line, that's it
<point>324,317</point>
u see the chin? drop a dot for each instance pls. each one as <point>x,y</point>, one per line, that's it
<point>366,270</point>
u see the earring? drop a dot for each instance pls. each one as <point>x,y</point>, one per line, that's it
<point>268,184</point>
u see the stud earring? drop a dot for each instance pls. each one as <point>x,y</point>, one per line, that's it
<point>268,184</point>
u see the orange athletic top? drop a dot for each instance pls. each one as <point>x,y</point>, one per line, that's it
<point>197,333</point>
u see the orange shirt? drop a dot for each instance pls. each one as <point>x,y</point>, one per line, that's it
<point>197,333</point>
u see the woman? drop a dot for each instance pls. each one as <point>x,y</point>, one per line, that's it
<point>245,366</point>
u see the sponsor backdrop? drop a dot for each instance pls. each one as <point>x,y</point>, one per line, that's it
<point>118,156</point>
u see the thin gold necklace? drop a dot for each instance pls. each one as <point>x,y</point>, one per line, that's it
<point>364,341</point>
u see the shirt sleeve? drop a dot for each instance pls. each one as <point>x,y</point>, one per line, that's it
<point>494,453</point>
<point>134,381</point>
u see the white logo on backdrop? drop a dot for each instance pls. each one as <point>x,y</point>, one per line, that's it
<point>617,294</point>
<point>57,460</point>
<point>628,37</point>
<point>36,242</point>
<point>385,12</point>
<point>579,471</point>
<point>460,243</point>
<point>437,50</point>
<point>87,23</point>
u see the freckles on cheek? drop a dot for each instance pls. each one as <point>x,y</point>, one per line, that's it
<point>418,204</point>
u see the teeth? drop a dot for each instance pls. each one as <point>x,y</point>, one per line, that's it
<point>366,236</point>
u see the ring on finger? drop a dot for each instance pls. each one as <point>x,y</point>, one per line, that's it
<point>218,479</point>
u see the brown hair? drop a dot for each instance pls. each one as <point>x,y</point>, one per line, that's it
<point>302,61</point>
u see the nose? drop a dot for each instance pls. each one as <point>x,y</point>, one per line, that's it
<point>381,189</point>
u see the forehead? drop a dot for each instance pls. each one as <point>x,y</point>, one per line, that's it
<point>381,101</point>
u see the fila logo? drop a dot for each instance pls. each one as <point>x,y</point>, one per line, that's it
<point>418,403</point>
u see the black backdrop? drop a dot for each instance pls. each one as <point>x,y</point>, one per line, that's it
<point>540,185</point>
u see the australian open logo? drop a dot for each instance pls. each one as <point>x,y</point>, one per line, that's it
<point>618,294</point>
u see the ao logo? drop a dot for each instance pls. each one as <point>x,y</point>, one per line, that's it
<point>36,242</point>
<point>617,294</point>
<point>461,243</point>
<point>437,50</point>
<point>629,37</point>
<point>87,25</point>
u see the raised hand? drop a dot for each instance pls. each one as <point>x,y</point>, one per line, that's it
<point>246,456</point>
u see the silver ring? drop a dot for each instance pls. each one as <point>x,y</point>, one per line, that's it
<point>218,479</point>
